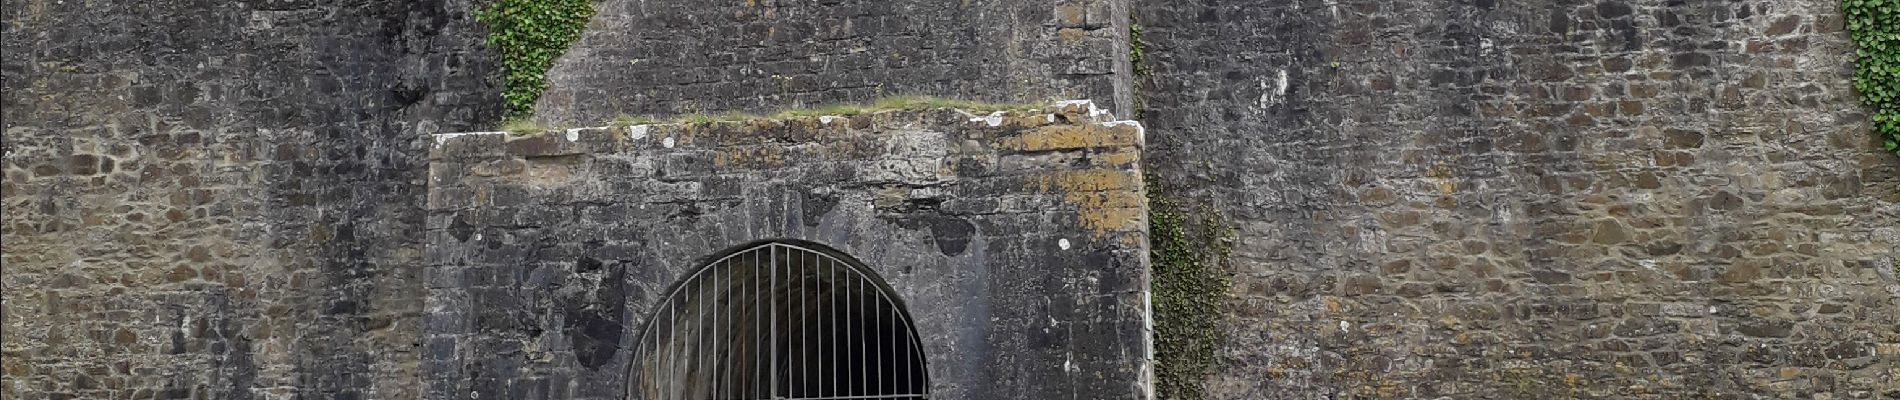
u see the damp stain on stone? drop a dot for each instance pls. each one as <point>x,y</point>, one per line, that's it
<point>951,234</point>
<point>460,228</point>
<point>593,314</point>
<point>815,205</point>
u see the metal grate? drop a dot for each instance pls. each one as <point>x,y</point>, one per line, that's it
<point>779,321</point>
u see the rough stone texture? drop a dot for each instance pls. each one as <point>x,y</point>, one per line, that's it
<point>1436,198</point>
<point>1017,241</point>
<point>212,199</point>
<point>642,57</point>
<point>1533,199</point>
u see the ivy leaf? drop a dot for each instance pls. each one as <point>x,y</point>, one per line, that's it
<point>1875,29</point>
<point>529,35</point>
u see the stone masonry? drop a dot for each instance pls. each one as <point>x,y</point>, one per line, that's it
<point>1466,199</point>
<point>671,57</point>
<point>216,199</point>
<point>1017,239</point>
<point>1533,199</point>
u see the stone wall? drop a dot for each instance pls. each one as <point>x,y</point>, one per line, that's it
<point>1533,199</point>
<point>1434,198</point>
<point>671,57</point>
<point>1017,240</point>
<point>215,199</point>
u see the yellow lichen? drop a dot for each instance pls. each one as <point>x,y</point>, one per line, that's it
<point>1443,178</point>
<point>1121,158</point>
<point>750,157</point>
<point>1091,180</point>
<point>1106,200</point>
<point>1062,137</point>
<point>1071,35</point>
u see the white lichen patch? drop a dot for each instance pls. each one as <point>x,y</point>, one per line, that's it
<point>441,138</point>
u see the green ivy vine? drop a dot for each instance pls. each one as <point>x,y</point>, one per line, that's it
<point>1875,27</point>
<point>1137,52</point>
<point>1190,286</point>
<point>1136,48</point>
<point>529,35</point>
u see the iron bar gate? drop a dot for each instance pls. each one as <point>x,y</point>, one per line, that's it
<point>779,321</point>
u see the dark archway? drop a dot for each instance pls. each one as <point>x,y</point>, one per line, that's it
<point>779,320</point>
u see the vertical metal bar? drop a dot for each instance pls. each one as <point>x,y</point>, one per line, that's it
<point>772,391</point>
<point>718,372</point>
<point>646,360</point>
<point>648,348</point>
<point>751,381</point>
<point>751,384</point>
<point>699,322</point>
<point>844,344</point>
<point>699,369</point>
<point>645,363</point>
<point>708,372</point>
<point>855,351</point>
<point>904,333</point>
<point>741,336</point>
<point>813,388</point>
<point>911,359</point>
<point>707,325</point>
<point>714,297</point>
<point>671,353</point>
<point>680,347</point>
<point>667,356</point>
<point>804,327</point>
<point>736,361</point>
<point>727,360</point>
<point>807,274</point>
<point>878,326</point>
<point>831,275</point>
<point>821,329</point>
<point>864,340</point>
<point>804,359</point>
<point>641,367</point>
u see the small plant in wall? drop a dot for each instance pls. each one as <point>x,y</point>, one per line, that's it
<point>529,35</point>
<point>1875,27</point>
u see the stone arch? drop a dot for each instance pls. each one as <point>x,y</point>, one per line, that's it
<point>779,320</point>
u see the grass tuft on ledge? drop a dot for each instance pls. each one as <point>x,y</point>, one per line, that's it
<point>526,126</point>
<point>854,109</point>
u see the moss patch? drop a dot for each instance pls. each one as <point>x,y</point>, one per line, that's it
<point>525,126</point>
<point>1137,53</point>
<point>1136,49</point>
<point>1190,249</point>
<point>530,35</point>
<point>1875,28</point>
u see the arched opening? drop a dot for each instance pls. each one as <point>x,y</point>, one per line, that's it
<point>779,321</point>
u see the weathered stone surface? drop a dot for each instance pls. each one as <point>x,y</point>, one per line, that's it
<point>1024,268</point>
<point>1435,198</point>
<point>1661,188</point>
<point>218,199</point>
<point>642,57</point>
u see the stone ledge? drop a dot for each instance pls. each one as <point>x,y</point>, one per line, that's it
<point>1064,125</point>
